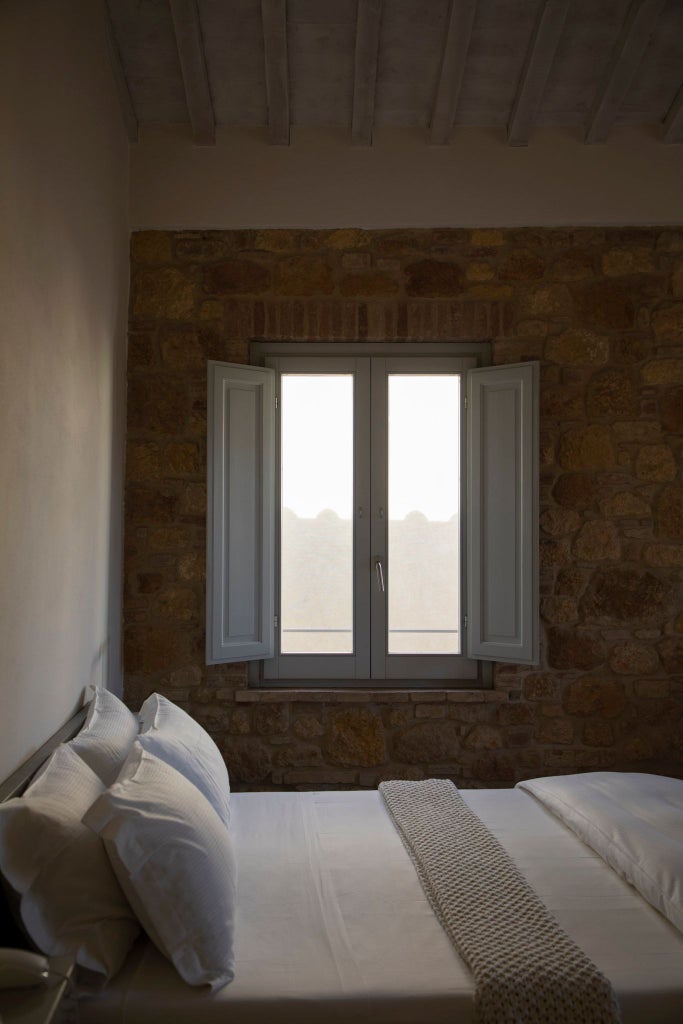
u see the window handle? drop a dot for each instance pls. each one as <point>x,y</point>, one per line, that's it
<point>380,575</point>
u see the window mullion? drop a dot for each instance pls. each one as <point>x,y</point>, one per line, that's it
<point>362,516</point>
<point>378,531</point>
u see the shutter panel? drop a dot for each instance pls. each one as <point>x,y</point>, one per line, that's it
<point>240,513</point>
<point>502,513</point>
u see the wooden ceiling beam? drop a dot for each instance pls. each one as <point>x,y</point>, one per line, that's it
<point>274,17</point>
<point>127,109</point>
<point>365,73</point>
<point>188,35</point>
<point>453,57</point>
<point>537,65</point>
<point>626,56</point>
<point>673,122</point>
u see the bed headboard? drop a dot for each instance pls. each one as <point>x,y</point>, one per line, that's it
<point>16,783</point>
<point>11,934</point>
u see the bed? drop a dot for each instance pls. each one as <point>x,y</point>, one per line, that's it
<point>333,924</point>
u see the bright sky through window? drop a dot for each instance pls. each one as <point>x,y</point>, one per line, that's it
<point>317,416</point>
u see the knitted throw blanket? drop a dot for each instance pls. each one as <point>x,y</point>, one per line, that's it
<point>526,968</point>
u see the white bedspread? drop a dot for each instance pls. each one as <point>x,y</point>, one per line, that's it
<point>634,821</point>
<point>333,925</point>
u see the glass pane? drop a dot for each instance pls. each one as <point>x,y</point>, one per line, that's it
<point>316,573</point>
<point>424,514</point>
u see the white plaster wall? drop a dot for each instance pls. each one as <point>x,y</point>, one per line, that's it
<point>63,308</point>
<point>322,181</point>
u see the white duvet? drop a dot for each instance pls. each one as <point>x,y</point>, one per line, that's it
<point>333,924</point>
<point>633,821</point>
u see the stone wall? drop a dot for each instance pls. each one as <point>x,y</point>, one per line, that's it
<point>603,312</point>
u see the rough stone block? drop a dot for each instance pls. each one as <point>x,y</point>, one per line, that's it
<point>143,460</point>
<point>298,755</point>
<point>605,305</point>
<point>521,265</point>
<point>236,277</point>
<point>572,581</point>
<point>151,247</point>
<point>624,503</point>
<point>271,719</point>
<point>487,238</point>
<point>555,730</point>
<point>623,261</point>
<point>192,565</point>
<point>304,275</point>
<point>669,513</point>
<point>578,347</point>
<point>558,522</point>
<point>369,285</point>
<point>347,238</point>
<point>663,371</point>
<point>249,759</point>
<point>556,610</point>
<point>356,737</point>
<point>433,279</point>
<point>570,648</point>
<point>553,553</point>
<point>624,596</point>
<point>597,541</point>
<point>663,555</point>
<point>428,742</point>
<point>560,402</point>
<point>671,653</point>
<point>595,695</point>
<point>546,300</point>
<point>145,504</point>
<point>671,410</point>
<point>598,734</point>
<point>181,459</point>
<point>307,727</point>
<point>156,405</point>
<point>677,279</point>
<point>478,270</point>
<point>574,266</point>
<point>588,447</point>
<point>656,462</point>
<point>575,490</point>
<point>633,659</point>
<point>179,605</point>
<point>183,348</point>
<point>193,501</point>
<point>483,737</point>
<point>612,393</point>
<point>667,323</point>
<point>164,293</point>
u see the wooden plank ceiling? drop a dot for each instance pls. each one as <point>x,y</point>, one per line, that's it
<point>434,64</point>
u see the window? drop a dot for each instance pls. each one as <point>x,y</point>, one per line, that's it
<point>372,515</point>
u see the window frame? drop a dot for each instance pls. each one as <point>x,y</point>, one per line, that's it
<point>370,665</point>
<point>502,599</point>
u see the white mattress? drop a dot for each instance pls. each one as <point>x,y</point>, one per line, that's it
<point>333,925</point>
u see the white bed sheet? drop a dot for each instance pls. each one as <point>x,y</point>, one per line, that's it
<point>333,925</point>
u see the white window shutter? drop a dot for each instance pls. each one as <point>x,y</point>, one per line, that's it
<point>240,513</point>
<point>502,513</point>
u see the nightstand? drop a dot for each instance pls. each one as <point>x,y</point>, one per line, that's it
<point>37,1005</point>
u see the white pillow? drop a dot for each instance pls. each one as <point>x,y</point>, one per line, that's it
<point>70,900</point>
<point>105,740</point>
<point>167,732</point>
<point>174,859</point>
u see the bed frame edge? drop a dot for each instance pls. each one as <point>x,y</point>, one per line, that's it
<point>16,783</point>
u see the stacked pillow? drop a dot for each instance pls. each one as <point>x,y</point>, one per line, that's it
<point>107,735</point>
<point>167,732</point>
<point>173,857</point>
<point>69,899</point>
<point>73,847</point>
